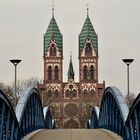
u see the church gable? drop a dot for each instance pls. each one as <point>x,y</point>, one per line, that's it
<point>88,49</point>
<point>53,50</point>
<point>71,90</point>
<point>53,30</point>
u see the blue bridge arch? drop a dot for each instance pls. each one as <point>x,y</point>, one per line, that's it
<point>29,115</point>
<point>9,127</point>
<point>113,111</point>
<point>132,124</point>
<point>115,116</point>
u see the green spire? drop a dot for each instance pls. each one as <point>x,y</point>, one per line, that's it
<point>70,71</point>
<point>53,31</point>
<point>88,31</point>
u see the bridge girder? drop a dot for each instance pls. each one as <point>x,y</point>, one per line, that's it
<point>9,127</point>
<point>28,117</point>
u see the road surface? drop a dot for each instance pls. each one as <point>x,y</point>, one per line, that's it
<point>73,134</point>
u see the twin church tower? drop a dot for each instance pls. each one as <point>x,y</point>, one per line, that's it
<point>70,101</point>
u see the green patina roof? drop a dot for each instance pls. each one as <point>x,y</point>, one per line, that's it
<point>53,30</point>
<point>70,71</point>
<point>88,31</point>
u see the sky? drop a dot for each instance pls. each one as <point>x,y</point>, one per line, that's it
<point>117,23</point>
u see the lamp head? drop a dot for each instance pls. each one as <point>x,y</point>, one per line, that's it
<point>15,61</point>
<point>127,61</point>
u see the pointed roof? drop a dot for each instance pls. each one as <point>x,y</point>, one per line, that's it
<point>70,70</point>
<point>53,30</point>
<point>88,31</point>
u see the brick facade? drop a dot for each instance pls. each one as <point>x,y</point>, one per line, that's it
<point>70,101</point>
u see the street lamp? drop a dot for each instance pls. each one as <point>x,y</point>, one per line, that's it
<point>15,62</point>
<point>128,62</point>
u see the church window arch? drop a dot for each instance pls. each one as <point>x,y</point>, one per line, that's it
<point>91,72</point>
<point>85,91</point>
<point>85,72</point>
<point>88,49</point>
<point>56,73</point>
<point>67,93</point>
<point>49,93</point>
<point>93,92</point>
<point>52,50</point>
<point>74,93</point>
<point>49,73</point>
<point>56,93</point>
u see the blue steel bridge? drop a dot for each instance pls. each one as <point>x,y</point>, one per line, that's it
<point>112,116</point>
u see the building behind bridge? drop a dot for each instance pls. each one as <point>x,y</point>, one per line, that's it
<point>70,101</point>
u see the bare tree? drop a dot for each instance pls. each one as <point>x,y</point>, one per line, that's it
<point>8,92</point>
<point>23,84</point>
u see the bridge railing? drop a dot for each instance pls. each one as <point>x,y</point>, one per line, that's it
<point>113,115</point>
<point>9,127</point>
<point>132,124</point>
<point>113,111</point>
<point>29,115</point>
<point>29,111</point>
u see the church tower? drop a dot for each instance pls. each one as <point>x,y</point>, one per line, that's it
<point>70,101</point>
<point>53,59</point>
<point>88,61</point>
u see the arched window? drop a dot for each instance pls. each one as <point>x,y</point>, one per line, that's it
<point>74,93</point>
<point>92,72</point>
<point>92,92</point>
<point>56,73</point>
<point>85,72</point>
<point>67,93</point>
<point>88,49</point>
<point>52,50</point>
<point>85,92</point>
<point>56,93</point>
<point>49,73</point>
<point>49,93</point>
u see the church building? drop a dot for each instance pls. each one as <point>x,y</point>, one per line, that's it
<point>70,101</point>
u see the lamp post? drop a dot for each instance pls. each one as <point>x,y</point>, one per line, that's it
<point>128,62</point>
<point>15,62</point>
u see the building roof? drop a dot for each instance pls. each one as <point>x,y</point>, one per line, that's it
<point>88,31</point>
<point>53,31</point>
<point>70,70</point>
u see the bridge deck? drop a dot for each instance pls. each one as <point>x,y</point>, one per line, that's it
<point>74,134</point>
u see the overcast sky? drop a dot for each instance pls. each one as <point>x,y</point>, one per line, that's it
<point>117,22</point>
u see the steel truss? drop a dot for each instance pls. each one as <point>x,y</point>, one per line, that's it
<point>29,115</point>
<point>113,115</point>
